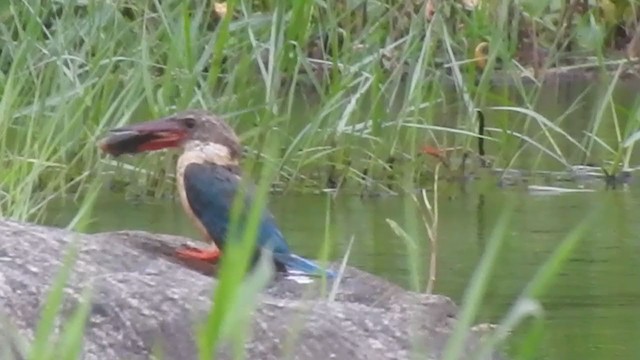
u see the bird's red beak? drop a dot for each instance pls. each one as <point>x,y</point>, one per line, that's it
<point>146,136</point>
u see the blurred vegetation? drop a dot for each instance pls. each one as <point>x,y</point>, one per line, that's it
<point>352,90</point>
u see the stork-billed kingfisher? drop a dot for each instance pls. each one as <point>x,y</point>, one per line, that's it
<point>209,176</point>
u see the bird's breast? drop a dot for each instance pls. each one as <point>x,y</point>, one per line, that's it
<point>183,162</point>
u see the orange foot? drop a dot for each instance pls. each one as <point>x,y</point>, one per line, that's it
<point>190,253</point>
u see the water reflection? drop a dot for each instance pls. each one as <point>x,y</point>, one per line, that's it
<point>590,308</point>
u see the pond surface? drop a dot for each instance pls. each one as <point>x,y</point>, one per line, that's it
<point>591,308</point>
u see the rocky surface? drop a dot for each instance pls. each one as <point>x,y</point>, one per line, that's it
<point>145,300</point>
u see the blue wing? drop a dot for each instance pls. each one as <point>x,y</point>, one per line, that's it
<point>210,191</point>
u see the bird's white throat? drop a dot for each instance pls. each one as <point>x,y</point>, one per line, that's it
<point>201,152</point>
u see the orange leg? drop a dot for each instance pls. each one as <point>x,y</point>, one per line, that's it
<point>191,253</point>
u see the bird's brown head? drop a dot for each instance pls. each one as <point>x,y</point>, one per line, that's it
<point>186,129</point>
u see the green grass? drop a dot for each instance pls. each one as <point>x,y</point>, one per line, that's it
<point>69,71</point>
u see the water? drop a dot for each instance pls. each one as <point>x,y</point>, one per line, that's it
<point>590,309</point>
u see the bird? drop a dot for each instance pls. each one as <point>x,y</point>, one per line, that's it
<point>209,176</point>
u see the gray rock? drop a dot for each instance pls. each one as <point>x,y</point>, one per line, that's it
<point>144,299</point>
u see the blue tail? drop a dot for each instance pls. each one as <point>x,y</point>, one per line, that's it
<point>300,264</point>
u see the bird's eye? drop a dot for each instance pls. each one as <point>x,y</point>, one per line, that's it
<point>190,123</point>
